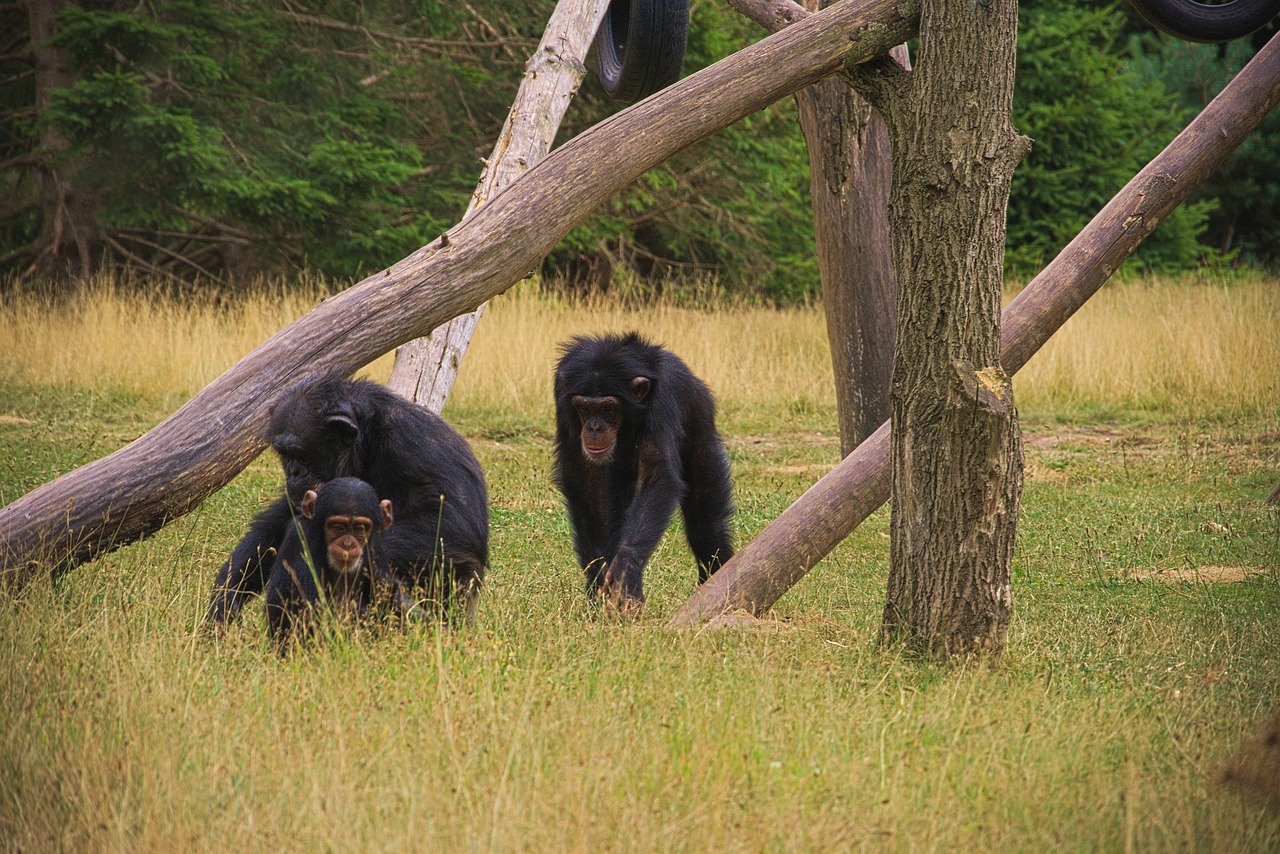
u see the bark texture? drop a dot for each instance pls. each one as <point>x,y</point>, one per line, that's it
<point>956,449</point>
<point>849,180</point>
<point>765,568</point>
<point>849,169</point>
<point>426,369</point>
<point>169,470</point>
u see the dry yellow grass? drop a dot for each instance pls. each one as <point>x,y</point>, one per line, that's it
<point>750,356</point>
<point>1179,346</point>
<point>1106,726</point>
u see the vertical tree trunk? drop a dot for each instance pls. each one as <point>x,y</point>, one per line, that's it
<point>956,450</point>
<point>849,180</point>
<point>768,566</point>
<point>70,236</point>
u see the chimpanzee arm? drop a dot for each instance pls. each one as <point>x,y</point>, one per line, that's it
<point>587,502</point>
<point>659,490</point>
<point>245,574</point>
<point>292,590</point>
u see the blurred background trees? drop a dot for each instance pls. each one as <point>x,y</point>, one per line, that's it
<point>218,142</point>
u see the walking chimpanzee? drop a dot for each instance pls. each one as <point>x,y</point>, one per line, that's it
<point>635,437</point>
<point>329,556</point>
<point>330,426</point>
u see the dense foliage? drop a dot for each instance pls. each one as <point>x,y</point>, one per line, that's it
<point>223,140</point>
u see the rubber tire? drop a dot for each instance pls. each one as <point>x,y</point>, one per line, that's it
<point>1198,22</point>
<point>640,45</point>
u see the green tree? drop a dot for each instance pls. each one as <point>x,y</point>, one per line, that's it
<point>735,207</point>
<point>228,139</point>
<point>1244,222</point>
<point>1095,122</point>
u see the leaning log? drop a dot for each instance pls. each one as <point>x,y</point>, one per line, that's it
<point>426,369</point>
<point>172,468</point>
<point>819,520</point>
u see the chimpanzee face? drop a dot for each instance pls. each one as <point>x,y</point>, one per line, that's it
<point>602,418</point>
<point>349,514</point>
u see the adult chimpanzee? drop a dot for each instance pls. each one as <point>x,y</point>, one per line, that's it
<point>635,436</point>
<point>330,426</point>
<point>329,555</point>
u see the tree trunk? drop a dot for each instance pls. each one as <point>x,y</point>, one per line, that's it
<point>849,180</point>
<point>849,177</point>
<point>426,369</point>
<point>70,241</point>
<point>955,449</point>
<point>767,567</point>
<point>173,467</point>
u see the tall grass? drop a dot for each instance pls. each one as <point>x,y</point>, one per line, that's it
<point>549,727</point>
<point>1178,346</point>
<point>1159,345</point>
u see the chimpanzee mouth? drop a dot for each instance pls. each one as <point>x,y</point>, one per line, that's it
<point>349,566</point>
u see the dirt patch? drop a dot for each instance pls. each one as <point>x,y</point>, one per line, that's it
<point>815,470</point>
<point>1200,574</point>
<point>1071,436</point>
<point>1034,469</point>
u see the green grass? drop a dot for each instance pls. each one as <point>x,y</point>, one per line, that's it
<point>1105,726</point>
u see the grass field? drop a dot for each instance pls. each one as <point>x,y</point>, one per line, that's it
<point>1145,645</point>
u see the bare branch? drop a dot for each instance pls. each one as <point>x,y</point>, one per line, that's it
<point>435,45</point>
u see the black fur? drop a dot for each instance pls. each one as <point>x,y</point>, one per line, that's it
<point>330,427</point>
<point>302,570</point>
<point>668,453</point>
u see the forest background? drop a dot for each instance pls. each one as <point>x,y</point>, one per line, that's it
<point>218,143</point>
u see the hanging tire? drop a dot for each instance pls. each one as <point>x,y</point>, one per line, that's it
<point>1201,22</point>
<point>639,47</point>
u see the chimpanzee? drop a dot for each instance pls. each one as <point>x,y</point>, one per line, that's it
<point>329,555</point>
<point>329,426</point>
<point>635,436</point>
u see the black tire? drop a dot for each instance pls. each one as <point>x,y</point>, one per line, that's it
<point>1200,22</point>
<point>639,47</point>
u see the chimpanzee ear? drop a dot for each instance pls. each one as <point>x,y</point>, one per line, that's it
<point>308,506</point>
<point>640,388</point>
<point>386,513</point>
<point>342,422</point>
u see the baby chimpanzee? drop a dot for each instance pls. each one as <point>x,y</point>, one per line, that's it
<point>330,555</point>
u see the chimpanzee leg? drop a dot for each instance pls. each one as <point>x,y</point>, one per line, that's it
<point>245,573</point>
<point>468,577</point>
<point>594,543</point>
<point>708,508</point>
<point>429,570</point>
